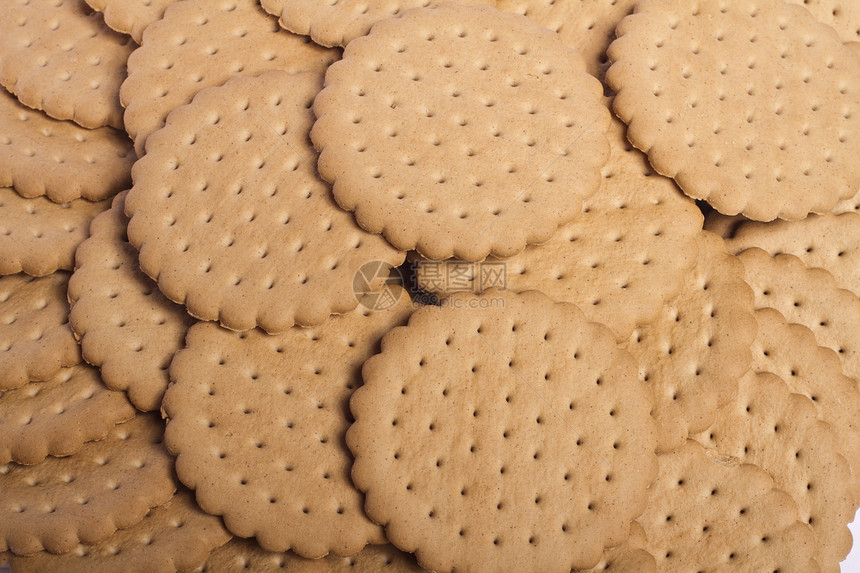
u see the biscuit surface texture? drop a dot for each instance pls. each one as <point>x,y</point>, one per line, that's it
<point>843,15</point>
<point>338,23</point>
<point>502,432</point>
<point>175,536</point>
<point>709,513</point>
<point>232,219</point>
<point>200,44</point>
<point>125,325</point>
<point>59,159</point>
<point>257,425</point>
<point>58,56</point>
<point>38,236</point>
<point>695,351</point>
<point>84,498</point>
<point>35,338</point>
<point>57,416</point>
<point>461,132</point>
<point>682,68</point>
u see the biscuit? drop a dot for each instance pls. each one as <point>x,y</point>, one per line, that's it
<point>587,26</point>
<point>842,15</point>
<point>257,422</point>
<point>779,432</point>
<point>694,353</point>
<point>176,536</point>
<point>809,297</point>
<point>831,242</point>
<point>39,237</point>
<point>620,260</point>
<point>723,225</point>
<point>629,556</point>
<point>338,23</point>
<point>709,513</point>
<point>245,554</point>
<point>231,218</point>
<point>502,432</point>
<point>847,205</point>
<point>84,498</point>
<point>461,132</point>
<point>58,56</point>
<point>58,416</point>
<point>59,159</point>
<point>125,325</point>
<point>229,37</point>
<point>131,16</point>
<point>791,352</point>
<point>682,67</point>
<point>35,338</point>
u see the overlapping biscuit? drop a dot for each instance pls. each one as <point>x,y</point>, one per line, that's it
<point>459,131</point>
<point>231,218</point>
<point>791,352</point>
<point>629,556</point>
<point>588,26</point>
<point>125,325</point>
<point>694,353</point>
<point>175,536</point>
<point>58,56</point>
<point>37,236</point>
<point>257,423</point>
<point>58,416</point>
<point>710,513</point>
<point>131,16</point>
<point>245,554</point>
<point>842,15</point>
<point>829,241</point>
<point>84,498</point>
<point>338,23</point>
<point>200,44</point>
<point>59,159</point>
<point>809,297</point>
<point>772,428</point>
<point>682,68</point>
<point>620,260</point>
<point>502,432</point>
<point>35,338</point>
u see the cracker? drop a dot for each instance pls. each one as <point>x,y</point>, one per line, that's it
<point>338,23</point>
<point>791,352</point>
<point>587,26</point>
<point>131,16</point>
<point>125,325</point>
<point>176,536</point>
<point>37,236</point>
<point>620,260</point>
<point>231,218</point>
<point>842,15</point>
<point>710,513</point>
<point>723,225</point>
<point>84,498</point>
<point>245,554</point>
<point>257,425</point>
<point>831,242</point>
<point>809,297</point>
<point>778,431</point>
<point>847,205</point>
<point>629,556</point>
<point>461,132</point>
<point>58,56</point>
<point>229,37</point>
<point>694,353</point>
<point>58,416</point>
<point>35,338</point>
<point>502,432</point>
<point>59,159</point>
<point>683,67</point>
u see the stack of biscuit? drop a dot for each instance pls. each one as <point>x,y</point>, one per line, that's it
<point>407,285</point>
